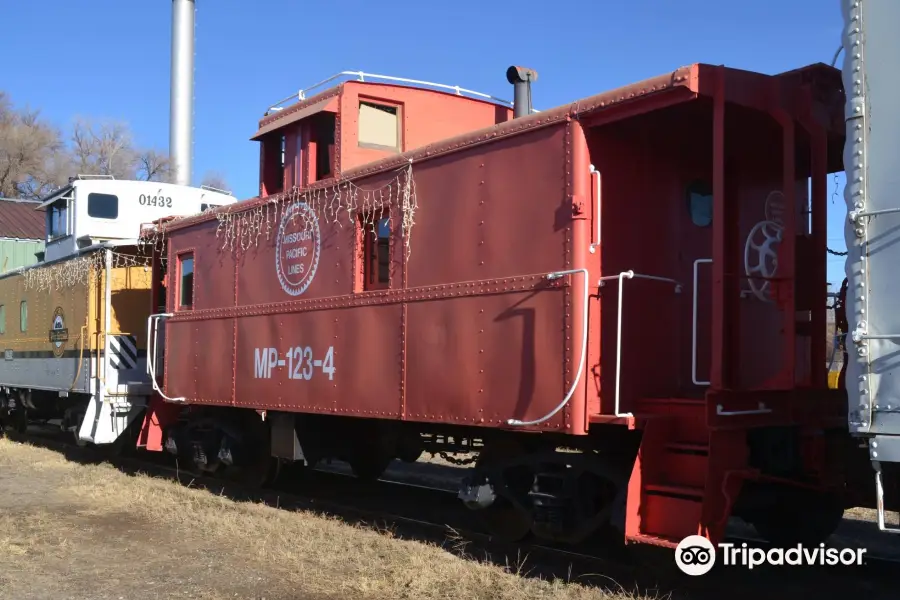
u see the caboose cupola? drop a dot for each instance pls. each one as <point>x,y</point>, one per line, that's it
<point>360,121</point>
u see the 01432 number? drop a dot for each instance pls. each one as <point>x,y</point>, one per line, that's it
<point>161,201</point>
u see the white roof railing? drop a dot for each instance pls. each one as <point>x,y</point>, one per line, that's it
<point>361,76</point>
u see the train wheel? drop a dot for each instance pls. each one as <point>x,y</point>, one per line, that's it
<point>20,419</point>
<point>505,521</point>
<point>258,467</point>
<point>369,466</point>
<point>800,518</point>
<point>78,441</point>
<point>505,518</point>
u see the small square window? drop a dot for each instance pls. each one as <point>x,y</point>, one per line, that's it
<point>186,281</point>
<point>700,203</point>
<point>103,206</point>
<point>379,126</point>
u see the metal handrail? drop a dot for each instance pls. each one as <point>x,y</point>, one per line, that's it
<point>584,348</point>
<point>151,355</point>
<point>879,497</point>
<point>361,76</point>
<point>621,277</point>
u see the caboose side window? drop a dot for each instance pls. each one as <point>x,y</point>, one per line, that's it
<point>59,219</point>
<point>376,253</point>
<point>379,126</point>
<point>103,206</point>
<point>700,202</point>
<point>185,281</point>
<point>323,134</point>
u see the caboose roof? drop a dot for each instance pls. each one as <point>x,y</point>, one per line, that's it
<point>747,88</point>
<point>327,100</point>
<point>277,116</point>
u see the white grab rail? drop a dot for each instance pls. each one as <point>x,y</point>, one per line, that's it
<point>720,410</point>
<point>879,495</point>
<point>694,324</point>
<point>584,336</point>
<point>621,278</point>
<point>151,354</point>
<point>361,76</point>
<point>598,192</point>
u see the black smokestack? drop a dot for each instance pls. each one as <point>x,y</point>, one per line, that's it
<point>521,78</point>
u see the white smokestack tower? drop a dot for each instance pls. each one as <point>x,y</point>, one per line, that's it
<point>181,99</point>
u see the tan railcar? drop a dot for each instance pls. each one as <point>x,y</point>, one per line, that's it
<point>75,346</point>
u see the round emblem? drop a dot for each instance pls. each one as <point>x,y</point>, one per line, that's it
<point>297,248</point>
<point>59,335</point>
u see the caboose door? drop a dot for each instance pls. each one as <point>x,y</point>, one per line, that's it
<point>696,265</point>
<point>156,330</point>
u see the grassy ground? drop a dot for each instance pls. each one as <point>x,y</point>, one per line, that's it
<point>89,531</point>
<point>76,532</point>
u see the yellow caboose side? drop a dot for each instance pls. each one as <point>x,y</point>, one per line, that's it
<point>75,347</point>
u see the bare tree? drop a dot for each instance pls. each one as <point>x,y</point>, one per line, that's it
<point>104,149</point>
<point>154,166</point>
<point>216,180</point>
<point>108,148</point>
<point>32,153</point>
<point>34,158</point>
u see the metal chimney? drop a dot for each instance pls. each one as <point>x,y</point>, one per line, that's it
<point>181,99</point>
<point>521,78</point>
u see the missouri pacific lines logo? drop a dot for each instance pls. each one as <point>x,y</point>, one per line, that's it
<point>297,249</point>
<point>59,334</point>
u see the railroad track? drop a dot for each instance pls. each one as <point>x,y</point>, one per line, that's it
<point>422,512</point>
<point>410,510</point>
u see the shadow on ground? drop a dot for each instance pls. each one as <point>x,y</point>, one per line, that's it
<point>607,565</point>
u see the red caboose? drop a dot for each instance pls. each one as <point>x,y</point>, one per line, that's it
<point>618,303</point>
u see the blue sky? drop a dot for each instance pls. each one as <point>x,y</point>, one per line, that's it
<point>110,58</point>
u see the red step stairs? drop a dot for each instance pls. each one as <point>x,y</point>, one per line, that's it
<point>668,485</point>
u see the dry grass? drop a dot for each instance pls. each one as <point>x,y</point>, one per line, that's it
<point>90,531</point>
<point>870,514</point>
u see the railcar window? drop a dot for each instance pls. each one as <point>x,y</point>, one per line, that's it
<point>186,281</point>
<point>23,316</point>
<point>379,126</point>
<point>377,250</point>
<point>700,202</point>
<point>59,219</point>
<point>205,207</point>
<point>323,133</point>
<point>103,206</point>
<point>161,291</point>
<point>2,319</point>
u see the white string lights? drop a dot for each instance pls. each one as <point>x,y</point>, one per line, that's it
<point>77,271</point>
<point>341,203</point>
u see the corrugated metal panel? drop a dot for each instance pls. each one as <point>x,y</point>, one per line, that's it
<point>15,254</point>
<point>19,219</point>
<point>871,51</point>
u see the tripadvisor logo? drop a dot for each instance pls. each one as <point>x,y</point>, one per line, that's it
<point>696,555</point>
